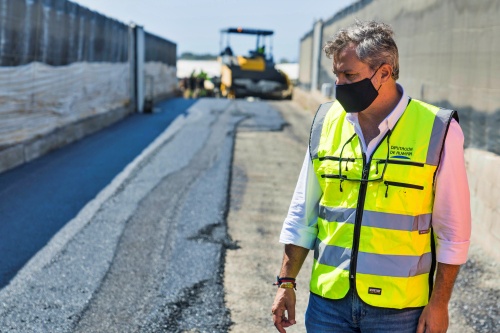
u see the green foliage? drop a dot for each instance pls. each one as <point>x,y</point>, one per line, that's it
<point>202,75</point>
<point>193,56</point>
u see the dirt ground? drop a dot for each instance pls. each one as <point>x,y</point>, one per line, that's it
<point>265,169</point>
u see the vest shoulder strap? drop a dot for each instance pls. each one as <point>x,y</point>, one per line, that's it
<point>316,128</point>
<point>442,120</point>
<point>448,114</point>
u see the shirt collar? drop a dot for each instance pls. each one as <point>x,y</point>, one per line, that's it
<point>392,118</point>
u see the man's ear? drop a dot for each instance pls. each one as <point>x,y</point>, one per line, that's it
<point>386,73</point>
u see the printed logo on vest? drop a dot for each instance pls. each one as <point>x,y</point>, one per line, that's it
<point>374,291</point>
<point>401,152</point>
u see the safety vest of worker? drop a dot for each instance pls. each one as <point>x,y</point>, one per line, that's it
<point>374,218</point>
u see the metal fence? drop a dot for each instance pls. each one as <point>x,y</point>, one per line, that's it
<point>160,50</point>
<point>58,32</point>
<point>61,63</point>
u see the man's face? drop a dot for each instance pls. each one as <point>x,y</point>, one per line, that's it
<point>348,68</point>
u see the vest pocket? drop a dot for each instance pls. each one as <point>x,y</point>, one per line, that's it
<point>400,197</point>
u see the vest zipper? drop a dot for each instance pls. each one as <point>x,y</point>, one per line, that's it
<point>389,183</point>
<point>327,175</point>
<point>335,158</point>
<point>357,222</point>
<point>359,213</point>
<point>403,162</point>
<point>417,164</point>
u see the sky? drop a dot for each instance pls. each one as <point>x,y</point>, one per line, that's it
<point>194,25</point>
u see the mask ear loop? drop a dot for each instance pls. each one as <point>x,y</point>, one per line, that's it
<point>386,161</point>
<point>340,161</point>
<point>376,73</point>
<point>388,151</point>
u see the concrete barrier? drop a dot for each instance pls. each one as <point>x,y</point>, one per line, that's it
<point>26,151</point>
<point>309,100</point>
<point>484,184</point>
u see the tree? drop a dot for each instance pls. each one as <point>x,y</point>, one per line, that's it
<point>194,56</point>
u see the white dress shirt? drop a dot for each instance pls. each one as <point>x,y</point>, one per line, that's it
<point>451,217</point>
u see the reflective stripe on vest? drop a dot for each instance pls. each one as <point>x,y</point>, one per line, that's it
<point>374,219</point>
<point>316,135</point>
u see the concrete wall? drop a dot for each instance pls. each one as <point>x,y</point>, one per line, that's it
<point>316,53</point>
<point>449,55</point>
<point>484,182</point>
<point>305,61</point>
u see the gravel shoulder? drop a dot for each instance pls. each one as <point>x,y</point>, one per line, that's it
<point>265,169</point>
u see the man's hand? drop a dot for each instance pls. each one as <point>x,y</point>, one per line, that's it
<point>434,319</point>
<point>284,301</point>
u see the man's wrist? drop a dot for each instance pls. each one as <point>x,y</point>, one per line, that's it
<point>439,302</point>
<point>287,285</point>
<point>285,282</point>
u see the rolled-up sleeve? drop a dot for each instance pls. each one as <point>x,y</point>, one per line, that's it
<point>300,225</point>
<point>451,217</point>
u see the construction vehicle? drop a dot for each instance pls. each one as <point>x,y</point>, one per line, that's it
<point>252,75</point>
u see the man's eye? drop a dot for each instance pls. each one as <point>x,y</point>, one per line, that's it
<point>349,75</point>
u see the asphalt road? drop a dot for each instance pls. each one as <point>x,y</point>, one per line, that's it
<point>37,199</point>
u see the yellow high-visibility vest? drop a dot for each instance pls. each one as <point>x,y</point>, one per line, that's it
<point>374,221</point>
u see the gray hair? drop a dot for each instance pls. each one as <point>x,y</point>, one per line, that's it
<point>374,43</point>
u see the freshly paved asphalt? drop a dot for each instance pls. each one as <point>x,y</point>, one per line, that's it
<point>37,199</point>
<point>147,253</point>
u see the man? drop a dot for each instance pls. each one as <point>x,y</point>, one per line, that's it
<point>382,198</point>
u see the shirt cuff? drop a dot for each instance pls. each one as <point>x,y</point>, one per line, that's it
<point>298,234</point>
<point>452,253</point>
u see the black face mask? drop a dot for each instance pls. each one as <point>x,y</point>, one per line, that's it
<point>356,97</point>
